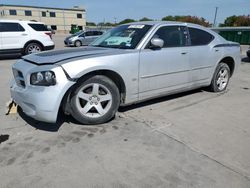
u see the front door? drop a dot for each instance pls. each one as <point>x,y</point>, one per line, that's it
<point>165,69</point>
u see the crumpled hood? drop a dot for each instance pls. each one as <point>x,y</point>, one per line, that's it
<point>53,57</point>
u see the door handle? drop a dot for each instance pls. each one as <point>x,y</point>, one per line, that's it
<point>183,53</point>
<point>24,34</point>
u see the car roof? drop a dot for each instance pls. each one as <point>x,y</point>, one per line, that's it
<point>20,21</point>
<point>158,23</point>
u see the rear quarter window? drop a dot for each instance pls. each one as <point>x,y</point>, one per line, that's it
<point>38,27</point>
<point>11,27</point>
<point>199,37</point>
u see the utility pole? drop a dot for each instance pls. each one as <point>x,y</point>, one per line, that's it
<point>215,16</point>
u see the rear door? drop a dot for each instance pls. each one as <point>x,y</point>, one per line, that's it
<point>89,37</point>
<point>13,35</point>
<point>202,55</point>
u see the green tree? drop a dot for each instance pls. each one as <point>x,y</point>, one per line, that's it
<point>169,18</point>
<point>128,20</point>
<point>145,19</point>
<point>190,19</point>
<point>234,21</point>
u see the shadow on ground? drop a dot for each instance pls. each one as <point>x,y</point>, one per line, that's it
<point>245,60</point>
<point>10,56</point>
<point>50,127</point>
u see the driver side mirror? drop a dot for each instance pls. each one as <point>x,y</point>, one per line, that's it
<point>156,43</point>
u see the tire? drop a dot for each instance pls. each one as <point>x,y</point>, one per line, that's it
<point>95,100</point>
<point>78,43</point>
<point>32,48</point>
<point>221,78</point>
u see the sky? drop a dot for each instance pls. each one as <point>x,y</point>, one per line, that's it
<point>117,10</point>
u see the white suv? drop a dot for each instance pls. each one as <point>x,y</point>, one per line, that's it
<point>24,37</point>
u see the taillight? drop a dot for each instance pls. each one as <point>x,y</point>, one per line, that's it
<point>50,34</point>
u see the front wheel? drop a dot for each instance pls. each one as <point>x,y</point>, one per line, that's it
<point>78,43</point>
<point>95,100</point>
<point>221,78</point>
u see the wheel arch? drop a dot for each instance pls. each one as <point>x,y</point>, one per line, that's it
<point>230,62</point>
<point>33,41</point>
<point>114,76</point>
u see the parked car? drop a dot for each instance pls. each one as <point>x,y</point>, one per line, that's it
<point>90,83</point>
<point>24,37</point>
<point>82,38</point>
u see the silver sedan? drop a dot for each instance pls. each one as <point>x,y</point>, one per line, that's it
<point>128,64</point>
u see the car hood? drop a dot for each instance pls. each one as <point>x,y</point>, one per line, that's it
<point>57,56</point>
<point>69,37</point>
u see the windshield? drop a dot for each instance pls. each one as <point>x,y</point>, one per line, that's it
<point>125,37</point>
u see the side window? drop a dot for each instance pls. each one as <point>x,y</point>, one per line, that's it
<point>38,27</point>
<point>89,33</point>
<point>199,37</point>
<point>97,33</point>
<point>11,27</point>
<point>173,36</point>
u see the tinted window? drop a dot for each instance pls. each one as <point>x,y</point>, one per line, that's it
<point>28,13</point>
<point>97,33</point>
<point>89,33</point>
<point>43,14</point>
<point>52,14</point>
<point>12,12</point>
<point>38,27</point>
<point>199,37</point>
<point>53,27</point>
<point>11,27</point>
<point>173,36</point>
<point>79,15</point>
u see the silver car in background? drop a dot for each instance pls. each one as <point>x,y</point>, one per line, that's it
<point>82,38</point>
<point>128,64</point>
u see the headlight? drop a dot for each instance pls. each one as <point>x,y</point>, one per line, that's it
<point>43,78</point>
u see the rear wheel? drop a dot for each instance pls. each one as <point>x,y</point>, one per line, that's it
<point>32,48</point>
<point>221,78</point>
<point>95,100</point>
<point>78,43</point>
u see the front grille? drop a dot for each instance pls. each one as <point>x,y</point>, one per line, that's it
<point>18,75</point>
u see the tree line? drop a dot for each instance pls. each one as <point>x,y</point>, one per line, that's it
<point>231,21</point>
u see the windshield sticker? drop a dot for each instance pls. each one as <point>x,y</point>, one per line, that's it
<point>136,26</point>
